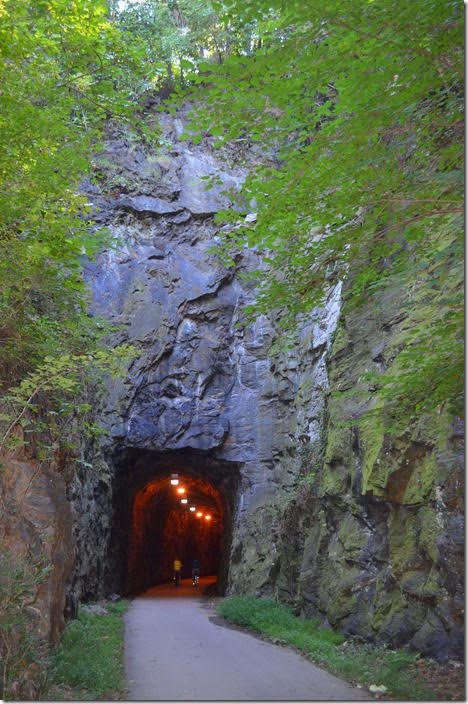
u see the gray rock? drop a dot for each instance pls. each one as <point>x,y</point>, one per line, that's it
<point>358,533</point>
<point>148,205</point>
<point>94,609</point>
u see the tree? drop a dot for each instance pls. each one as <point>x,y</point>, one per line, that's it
<point>360,105</point>
<point>64,72</point>
<point>178,34</point>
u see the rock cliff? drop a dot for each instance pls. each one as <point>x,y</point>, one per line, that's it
<point>338,517</point>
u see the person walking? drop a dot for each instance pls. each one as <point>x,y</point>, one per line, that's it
<point>177,566</point>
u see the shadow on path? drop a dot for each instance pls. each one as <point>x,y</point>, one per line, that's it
<point>175,650</point>
<point>206,588</point>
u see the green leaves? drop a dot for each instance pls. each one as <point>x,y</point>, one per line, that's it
<point>64,72</point>
<point>358,108</point>
<point>48,396</point>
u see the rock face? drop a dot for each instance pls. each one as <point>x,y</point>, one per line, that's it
<point>391,506</point>
<point>36,533</point>
<point>360,527</point>
<point>382,543</point>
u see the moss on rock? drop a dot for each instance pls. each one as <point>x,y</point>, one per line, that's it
<point>351,536</point>
<point>420,484</point>
<point>429,530</point>
<point>374,467</point>
<point>420,583</point>
<point>403,541</point>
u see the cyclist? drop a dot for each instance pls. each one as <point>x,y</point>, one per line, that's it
<point>177,566</point>
<point>195,572</point>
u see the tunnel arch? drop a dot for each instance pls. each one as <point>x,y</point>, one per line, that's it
<point>151,526</point>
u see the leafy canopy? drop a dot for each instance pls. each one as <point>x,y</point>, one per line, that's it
<point>359,105</point>
<point>178,35</point>
<point>63,73</point>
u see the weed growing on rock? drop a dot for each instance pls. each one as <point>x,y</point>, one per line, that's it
<point>23,654</point>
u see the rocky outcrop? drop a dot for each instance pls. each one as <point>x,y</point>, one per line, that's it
<point>373,539</point>
<point>199,381</point>
<point>36,538</point>
<point>55,525</point>
<point>384,556</point>
<point>89,494</point>
<point>347,521</point>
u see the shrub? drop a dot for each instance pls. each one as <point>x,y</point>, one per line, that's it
<point>23,654</point>
<point>88,664</point>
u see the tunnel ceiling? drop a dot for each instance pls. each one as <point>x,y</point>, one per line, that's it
<point>198,492</point>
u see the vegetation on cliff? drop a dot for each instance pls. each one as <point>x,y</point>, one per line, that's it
<point>62,73</point>
<point>23,653</point>
<point>361,104</point>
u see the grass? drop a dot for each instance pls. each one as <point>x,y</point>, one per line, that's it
<point>357,663</point>
<point>88,664</point>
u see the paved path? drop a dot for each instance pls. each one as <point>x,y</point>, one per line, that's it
<point>175,649</point>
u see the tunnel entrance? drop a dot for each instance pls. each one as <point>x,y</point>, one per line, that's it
<point>163,529</point>
<point>158,520</point>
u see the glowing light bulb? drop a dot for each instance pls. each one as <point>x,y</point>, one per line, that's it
<point>192,508</point>
<point>183,501</point>
<point>174,479</point>
<point>181,490</point>
<point>207,517</point>
<point>199,514</point>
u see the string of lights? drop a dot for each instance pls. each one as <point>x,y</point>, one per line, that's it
<point>181,491</point>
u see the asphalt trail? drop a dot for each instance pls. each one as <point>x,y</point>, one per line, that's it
<point>176,650</point>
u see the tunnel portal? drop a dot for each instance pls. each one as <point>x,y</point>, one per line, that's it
<point>157,521</point>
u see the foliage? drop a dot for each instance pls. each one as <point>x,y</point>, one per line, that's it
<point>49,396</point>
<point>362,664</point>
<point>23,655</point>
<point>360,107</point>
<point>178,34</point>
<point>64,73</point>
<point>88,664</point>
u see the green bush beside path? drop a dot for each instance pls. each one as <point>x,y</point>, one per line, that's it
<point>88,664</point>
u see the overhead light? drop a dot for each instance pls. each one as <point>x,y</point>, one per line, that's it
<point>199,514</point>
<point>183,501</point>
<point>180,490</point>
<point>207,517</point>
<point>174,479</point>
<point>192,508</point>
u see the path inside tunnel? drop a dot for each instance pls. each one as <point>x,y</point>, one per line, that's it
<point>180,521</point>
<point>177,649</point>
<point>172,505</point>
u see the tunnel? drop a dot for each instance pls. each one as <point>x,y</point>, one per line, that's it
<point>168,505</point>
